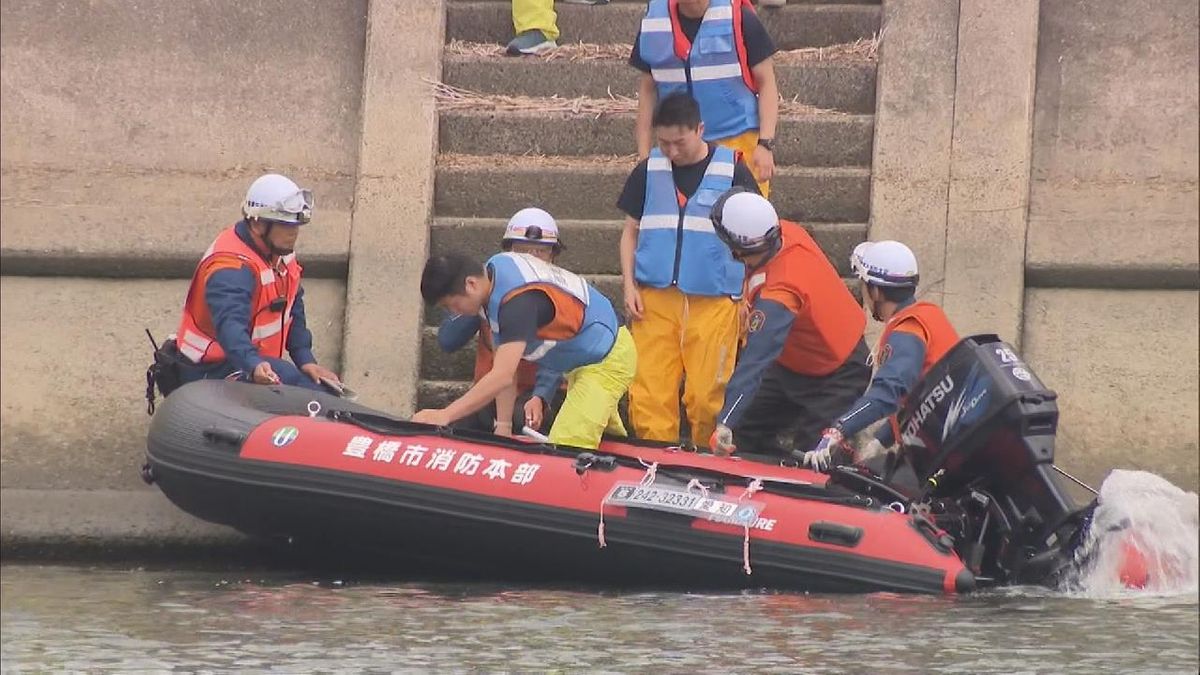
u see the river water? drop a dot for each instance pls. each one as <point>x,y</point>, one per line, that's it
<point>89,619</point>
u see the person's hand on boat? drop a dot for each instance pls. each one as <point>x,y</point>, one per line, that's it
<point>264,374</point>
<point>435,416</point>
<point>821,457</point>
<point>721,441</point>
<point>316,371</point>
<point>535,411</point>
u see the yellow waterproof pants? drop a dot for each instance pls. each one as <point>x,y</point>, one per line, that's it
<point>536,15</point>
<point>745,144</point>
<point>593,392</point>
<point>681,337</point>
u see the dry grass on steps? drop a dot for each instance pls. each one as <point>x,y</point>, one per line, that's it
<point>451,98</point>
<point>860,50</point>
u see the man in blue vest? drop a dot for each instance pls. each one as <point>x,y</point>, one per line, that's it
<point>545,314</point>
<point>682,285</point>
<point>718,52</point>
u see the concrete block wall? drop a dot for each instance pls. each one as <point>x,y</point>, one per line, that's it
<point>1042,157</point>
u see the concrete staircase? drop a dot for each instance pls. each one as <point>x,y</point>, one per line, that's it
<point>557,132</point>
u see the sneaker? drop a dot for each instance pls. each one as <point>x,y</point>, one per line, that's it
<point>531,42</point>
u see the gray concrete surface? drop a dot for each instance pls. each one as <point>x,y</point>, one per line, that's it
<point>793,27</point>
<point>910,174</point>
<point>1115,143</point>
<point>989,167</point>
<point>579,189</point>
<point>847,86</point>
<point>805,140</point>
<point>1125,365</point>
<point>392,202</point>
<point>72,370</point>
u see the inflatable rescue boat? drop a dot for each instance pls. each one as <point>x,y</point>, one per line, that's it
<point>975,501</point>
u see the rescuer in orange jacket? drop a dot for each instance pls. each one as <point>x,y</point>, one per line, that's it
<point>245,305</point>
<point>805,359</point>
<point>915,336</point>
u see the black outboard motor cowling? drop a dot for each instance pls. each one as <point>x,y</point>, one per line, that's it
<point>979,433</point>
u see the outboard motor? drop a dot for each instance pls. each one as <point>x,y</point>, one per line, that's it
<point>979,434</point>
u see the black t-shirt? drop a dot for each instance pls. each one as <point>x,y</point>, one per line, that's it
<point>522,316</point>
<point>687,179</point>
<point>758,43</point>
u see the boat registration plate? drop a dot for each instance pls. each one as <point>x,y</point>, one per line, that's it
<point>674,500</point>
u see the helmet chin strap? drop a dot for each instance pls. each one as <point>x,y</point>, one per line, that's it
<point>273,250</point>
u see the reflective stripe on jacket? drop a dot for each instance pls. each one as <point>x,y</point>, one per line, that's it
<point>676,244</point>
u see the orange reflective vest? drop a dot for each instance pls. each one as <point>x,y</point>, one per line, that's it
<point>829,323</point>
<point>196,337</point>
<point>932,327</point>
<point>485,355</point>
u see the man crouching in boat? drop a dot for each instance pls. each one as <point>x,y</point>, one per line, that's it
<point>245,305</point>
<point>545,314</point>
<point>535,232</point>
<point>805,358</point>
<point>915,336</point>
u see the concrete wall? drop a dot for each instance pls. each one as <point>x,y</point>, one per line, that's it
<point>130,134</point>
<point>1042,157</point>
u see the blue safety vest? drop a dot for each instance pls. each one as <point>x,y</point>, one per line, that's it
<point>677,246</point>
<point>712,73</point>
<point>597,333</point>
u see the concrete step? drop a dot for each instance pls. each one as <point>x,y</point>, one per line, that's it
<point>591,245</point>
<point>806,140</point>
<point>792,27</point>
<point>846,85</point>
<point>587,188</point>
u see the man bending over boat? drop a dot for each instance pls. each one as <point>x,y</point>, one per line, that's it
<point>535,232</point>
<point>805,358</point>
<point>915,336</point>
<point>541,313</point>
<point>245,305</point>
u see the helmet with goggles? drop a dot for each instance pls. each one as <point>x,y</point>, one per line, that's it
<point>746,222</point>
<point>885,263</point>
<point>277,199</point>
<point>531,226</point>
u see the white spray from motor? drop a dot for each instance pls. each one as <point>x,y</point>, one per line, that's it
<point>1145,519</point>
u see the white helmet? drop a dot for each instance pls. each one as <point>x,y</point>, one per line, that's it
<point>276,198</point>
<point>532,226</point>
<point>746,222</point>
<point>885,263</point>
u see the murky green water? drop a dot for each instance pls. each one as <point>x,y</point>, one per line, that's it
<point>67,618</point>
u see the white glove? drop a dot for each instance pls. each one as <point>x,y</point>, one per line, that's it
<point>872,449</point>
<point>721,441</point>
<point>820,458</point>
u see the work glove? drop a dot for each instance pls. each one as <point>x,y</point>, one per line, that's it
<point>721,441</point>
<point>821,457</point>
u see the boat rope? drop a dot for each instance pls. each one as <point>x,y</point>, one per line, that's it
<point>600,529</point>
<point>695,484</point>
<point>755,486</point>
<point>651,472</point>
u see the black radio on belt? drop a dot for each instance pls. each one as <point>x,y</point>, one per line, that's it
<point>277,304</point>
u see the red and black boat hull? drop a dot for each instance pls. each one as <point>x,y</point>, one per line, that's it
<point>370,487</point>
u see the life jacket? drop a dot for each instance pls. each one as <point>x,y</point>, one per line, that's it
<point>485,356</point>
<point>196,336</point>
<point>830,323</point>
<point>939,337</point>
<point>584,328</point>
<point>677,245</point>
<point>712,69</point>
